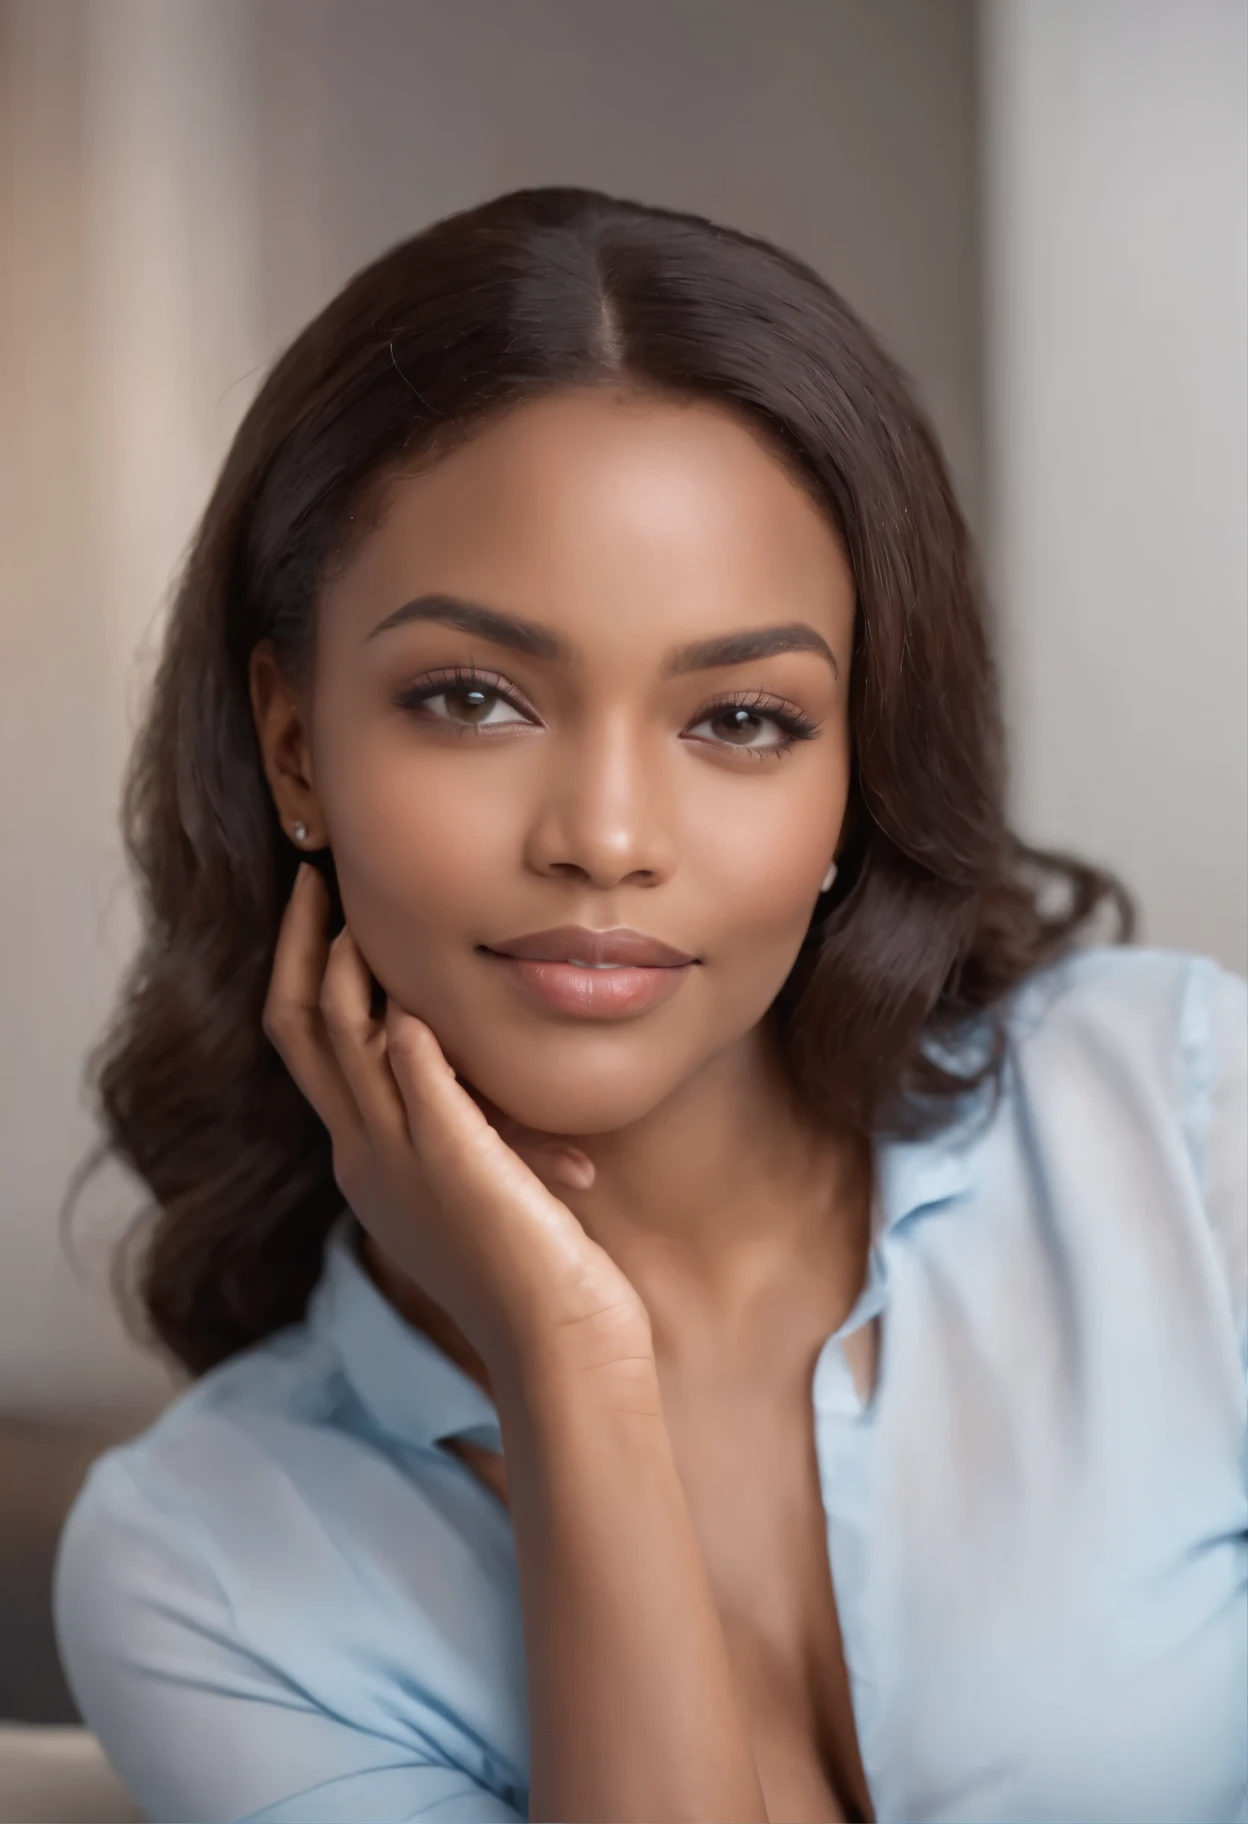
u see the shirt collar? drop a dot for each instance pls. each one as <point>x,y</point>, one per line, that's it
<point>916,1175</point>
<point>410,1386</point>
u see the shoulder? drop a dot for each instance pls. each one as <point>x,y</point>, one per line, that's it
<point>249,1413</point>
<point>1161,1031</point>
<point>269,1471</point>
<point>265,1536</point>
<point>267,1486</point>
<point>1179,1006</point>
<point>1148,1027</point>
<point>263,1596</point>
<point>183,1499</point>
<point>1127,1070</point>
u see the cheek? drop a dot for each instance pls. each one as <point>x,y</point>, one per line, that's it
<point>420,846</point>
<point>762,855</point>
<point>761,879</point>
<point>762,908</point>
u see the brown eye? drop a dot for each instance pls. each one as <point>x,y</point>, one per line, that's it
<point>474,704</point>
<point>745,723</point>
<point>464,703</point>
<point>737,725</point>
<point>473,707</point>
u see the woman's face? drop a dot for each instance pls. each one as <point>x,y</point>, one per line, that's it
<point>586,765</point>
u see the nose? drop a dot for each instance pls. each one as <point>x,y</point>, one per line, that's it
<point>604,816</point>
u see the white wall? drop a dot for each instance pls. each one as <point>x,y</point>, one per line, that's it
<point>1116,251</point>
<point>183,182</point>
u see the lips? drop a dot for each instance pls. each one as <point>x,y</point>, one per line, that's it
<point>592,974</point>
<point>621,946</point>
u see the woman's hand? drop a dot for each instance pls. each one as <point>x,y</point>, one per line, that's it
<point>436,1185</point>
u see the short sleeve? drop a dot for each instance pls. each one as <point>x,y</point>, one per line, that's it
<point>1215,1035</point>
<point>198,1727</point>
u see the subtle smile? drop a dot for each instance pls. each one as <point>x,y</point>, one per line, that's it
<point>592,974</point>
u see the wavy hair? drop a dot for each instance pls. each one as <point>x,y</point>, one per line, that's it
<point>938,910</point>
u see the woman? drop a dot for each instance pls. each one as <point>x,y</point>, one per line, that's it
<point>707,1300</point>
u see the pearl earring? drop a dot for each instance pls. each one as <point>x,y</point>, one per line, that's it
<point>300,831</point>
<point>828,878</point>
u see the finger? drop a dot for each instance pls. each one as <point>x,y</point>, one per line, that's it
<point>450,1132</point>
<point>451,1128</point>
<point>358,1037</point>
<point>292,1018</point>
<point>555,1160</point>
<point>565,1167</point>
<point>467,1160</point>
<point>424,1077</point>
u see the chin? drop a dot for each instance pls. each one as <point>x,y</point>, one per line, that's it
<point>567,1096</point>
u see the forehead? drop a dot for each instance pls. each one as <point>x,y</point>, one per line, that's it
<point>602,511</point>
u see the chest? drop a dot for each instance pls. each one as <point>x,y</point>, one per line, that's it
<point>747,1462</point>
<point>748,1466</point>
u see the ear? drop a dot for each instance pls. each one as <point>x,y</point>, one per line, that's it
<point>280,713</point>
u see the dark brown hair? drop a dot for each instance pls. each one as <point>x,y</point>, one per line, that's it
<point>938,911</point>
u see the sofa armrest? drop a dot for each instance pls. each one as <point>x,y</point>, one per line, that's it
<point>58,1775</point>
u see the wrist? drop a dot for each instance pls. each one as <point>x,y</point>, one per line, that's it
<point>554,1381</point>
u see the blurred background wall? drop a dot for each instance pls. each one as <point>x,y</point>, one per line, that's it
<point>1038,204</point>
<point>1114,155</point>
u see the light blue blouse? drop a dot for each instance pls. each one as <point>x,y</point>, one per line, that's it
<point>285,1602</point>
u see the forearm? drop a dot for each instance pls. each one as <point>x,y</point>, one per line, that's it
<point>633,1713</point>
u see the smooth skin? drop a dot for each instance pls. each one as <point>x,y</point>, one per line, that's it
<point>623,1228</point>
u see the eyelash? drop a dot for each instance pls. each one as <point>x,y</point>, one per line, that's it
<point>794,725</point>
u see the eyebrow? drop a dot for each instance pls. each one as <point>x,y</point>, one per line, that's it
<point>538,642</point>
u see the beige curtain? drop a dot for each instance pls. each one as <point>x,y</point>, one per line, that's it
<point>128,349</point>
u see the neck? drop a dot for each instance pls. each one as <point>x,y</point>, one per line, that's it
<point>723,1207</point>
<point>725,1194</point>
